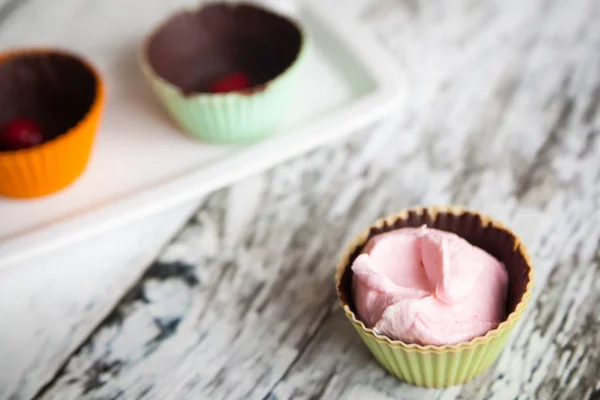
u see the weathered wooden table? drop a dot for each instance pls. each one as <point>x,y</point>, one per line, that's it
<point>503,116</point>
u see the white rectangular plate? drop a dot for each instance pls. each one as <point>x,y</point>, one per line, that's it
<point>141,163</point>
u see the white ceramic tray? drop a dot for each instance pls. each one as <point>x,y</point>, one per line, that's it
<point>141,163</point>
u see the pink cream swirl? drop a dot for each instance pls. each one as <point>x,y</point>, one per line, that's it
<point>429,287</point>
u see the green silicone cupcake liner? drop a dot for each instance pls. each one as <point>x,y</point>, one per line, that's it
<point>449,365</point>
<point>231,118</point>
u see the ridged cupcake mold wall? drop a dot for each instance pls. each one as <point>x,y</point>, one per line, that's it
<point>51,102</point>
<point>442,359</point>
<point>226,72</point>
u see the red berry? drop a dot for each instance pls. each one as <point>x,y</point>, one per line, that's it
<point>234,82</point>
<point>20,133</point>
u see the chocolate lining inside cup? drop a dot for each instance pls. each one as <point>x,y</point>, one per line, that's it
<point>496,241</point>
<point>194,48</point>
<point>55,90</point>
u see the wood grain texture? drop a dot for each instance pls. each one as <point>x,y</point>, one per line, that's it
<point>503,116</point>
<point>48,307</point>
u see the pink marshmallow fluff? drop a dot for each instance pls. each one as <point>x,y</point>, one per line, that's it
<point>429,287</point>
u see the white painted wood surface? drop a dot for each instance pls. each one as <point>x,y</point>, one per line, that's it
<point>49,305</point>
<point>503,116</point>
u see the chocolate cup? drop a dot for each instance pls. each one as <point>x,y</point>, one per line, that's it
<point>453,364</point>
<point>479,230</point>
<point>54,89</point>
<point>194,48</point>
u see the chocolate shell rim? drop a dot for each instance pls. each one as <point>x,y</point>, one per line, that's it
<point>149,70</point>
<point>98,95</point>
<point>457,211</point>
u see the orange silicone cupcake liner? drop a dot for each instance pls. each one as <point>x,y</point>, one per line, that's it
<point>55,164</point>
